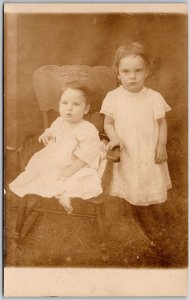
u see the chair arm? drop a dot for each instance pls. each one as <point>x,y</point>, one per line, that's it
<point>14,149</point>
<point>27,137</point>
<point>113,155</point>
<point>103,136</point>
<point>29,146</point>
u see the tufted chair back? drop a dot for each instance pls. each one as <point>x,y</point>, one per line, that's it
<point>49,80</point>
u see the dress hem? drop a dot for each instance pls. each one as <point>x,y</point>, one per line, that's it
<point>140,203</point>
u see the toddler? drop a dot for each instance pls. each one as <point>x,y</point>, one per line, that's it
<point>135,121</point>
<point>67,166</point>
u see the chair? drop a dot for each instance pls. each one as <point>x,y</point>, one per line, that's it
<point>47,82</point>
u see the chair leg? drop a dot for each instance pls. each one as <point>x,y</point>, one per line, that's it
<point>21,213</point>
<point>16,236</point>
<point>100,211</point>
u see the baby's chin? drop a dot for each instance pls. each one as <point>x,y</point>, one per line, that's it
<point>70,120</point>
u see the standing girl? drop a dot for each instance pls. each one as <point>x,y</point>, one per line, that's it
<point>135,121</point>
<point>68,166</point>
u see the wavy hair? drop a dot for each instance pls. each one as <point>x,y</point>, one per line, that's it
<point>133,48</point>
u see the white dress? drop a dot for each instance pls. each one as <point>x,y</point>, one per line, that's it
<point>42,174</point>
<point>137,178</point>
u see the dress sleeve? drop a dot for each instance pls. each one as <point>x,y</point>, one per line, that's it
<point>160,107</point>
<point>108,106</point>
<point>88,149</point>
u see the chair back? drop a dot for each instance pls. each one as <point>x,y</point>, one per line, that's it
<point>49,80</point>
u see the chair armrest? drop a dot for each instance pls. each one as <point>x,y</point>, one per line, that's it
<point>13,149</point>
<point>103,136</point>
<point>36,134</point>
<point>28,148</point>
<point>113,155</point>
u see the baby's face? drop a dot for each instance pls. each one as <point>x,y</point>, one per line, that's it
<point>73,106</point>
<point>132,73</point>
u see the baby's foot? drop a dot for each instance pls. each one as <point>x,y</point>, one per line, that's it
<point>66,203</point>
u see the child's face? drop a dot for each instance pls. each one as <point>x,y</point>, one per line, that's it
<point>73,106</point>
<point>132,73</point>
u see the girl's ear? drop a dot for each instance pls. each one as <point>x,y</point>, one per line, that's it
<point>147,72</point>
<point>87,109</point>
<point>118,80</point>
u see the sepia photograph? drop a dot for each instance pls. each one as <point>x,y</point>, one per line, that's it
<point>95,149</point>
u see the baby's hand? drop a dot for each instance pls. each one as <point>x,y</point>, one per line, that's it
<point>45,137</point>
<point>64,173</point>
<point>160,154</point>
<point>113,143</point>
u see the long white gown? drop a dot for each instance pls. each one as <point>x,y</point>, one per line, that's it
<point>137,178</point>
<point>42,174</point>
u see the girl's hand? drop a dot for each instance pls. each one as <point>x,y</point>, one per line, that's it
<point>45,137</point>
<point>160,153</point>
<point>110,131</point>
<point>113,143</point>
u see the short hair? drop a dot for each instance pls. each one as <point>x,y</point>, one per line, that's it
<point>133,48</point>
<point>77,85</point>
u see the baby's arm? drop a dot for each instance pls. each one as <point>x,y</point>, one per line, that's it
<point>49,133</point>
<point>73,168</point>
<point>160,152</point>
<point>110,131</point>
<point>45,137</point>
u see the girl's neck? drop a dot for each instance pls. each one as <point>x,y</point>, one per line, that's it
<point>133,93</point>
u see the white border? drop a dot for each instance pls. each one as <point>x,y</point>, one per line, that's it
<point>179,8</point>
<point>34,282</point>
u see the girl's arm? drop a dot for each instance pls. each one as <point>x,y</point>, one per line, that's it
<point>160,152</point>
<point>110,131</point>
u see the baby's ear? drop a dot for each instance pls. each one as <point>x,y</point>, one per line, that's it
<point>87,109</point>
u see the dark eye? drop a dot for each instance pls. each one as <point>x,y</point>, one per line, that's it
<point>63,102</point>
<point>76,104</point>
<point>139,70</point>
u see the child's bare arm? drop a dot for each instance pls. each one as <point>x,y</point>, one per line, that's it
<point>110,131</point>
<point>161,153</point>
<point>48,134</point>
<point>45,137</point>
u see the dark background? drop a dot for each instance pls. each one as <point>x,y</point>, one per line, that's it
<point>34,40</point>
